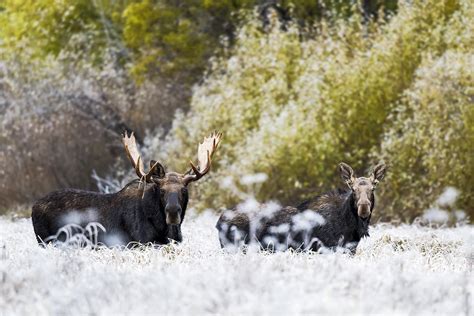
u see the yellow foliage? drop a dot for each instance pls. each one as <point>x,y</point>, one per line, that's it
<point>293,108</point>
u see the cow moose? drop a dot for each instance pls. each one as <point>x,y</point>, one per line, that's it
<point>149,209</point>
<point>335,220</point>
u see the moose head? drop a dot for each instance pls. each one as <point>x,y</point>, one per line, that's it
<point>171,194</point>
<point>362,188</point>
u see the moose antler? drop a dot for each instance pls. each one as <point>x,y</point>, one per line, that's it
<point>135,158</point>
<point>205,152</point>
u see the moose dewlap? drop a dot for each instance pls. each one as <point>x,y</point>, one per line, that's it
<point>149,209</point>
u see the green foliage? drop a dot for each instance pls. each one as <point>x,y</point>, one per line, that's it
<point>48,26</point>
<point>158,38</point>
<point>165,37</point>
<point>308,11</point>
<point>294,108</point>
<point>431,143</point>
<point>169,37</point>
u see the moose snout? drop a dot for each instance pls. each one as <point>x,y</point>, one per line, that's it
<point>173,214</point>
<point>363,208</point>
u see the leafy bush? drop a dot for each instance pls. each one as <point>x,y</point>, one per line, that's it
<point>293,108</point>
<point>158,38</point>
<point>430,144</point>
<point>43,27</point>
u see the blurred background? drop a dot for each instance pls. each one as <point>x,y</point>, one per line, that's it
<point>296,87</point>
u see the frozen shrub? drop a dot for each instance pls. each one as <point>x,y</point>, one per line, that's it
<point>292,107</point>
<point>61,118</point>
<point>53,123</point>
<point>431,143</point>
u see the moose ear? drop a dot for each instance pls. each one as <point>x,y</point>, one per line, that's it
<point>347,174</point>
<point>157,169</point>
<point>378,173</point>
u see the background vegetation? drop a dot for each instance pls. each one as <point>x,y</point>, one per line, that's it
<point>295,86</point>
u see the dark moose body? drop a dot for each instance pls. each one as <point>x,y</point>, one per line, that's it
<point>339,218</point>
<point>125,215</point>
<point>148,210</point>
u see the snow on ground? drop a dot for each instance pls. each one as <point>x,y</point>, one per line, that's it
<point>398,270</point>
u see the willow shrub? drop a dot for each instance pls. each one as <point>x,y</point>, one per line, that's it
<point>430,144</point>
<point>293,108</point>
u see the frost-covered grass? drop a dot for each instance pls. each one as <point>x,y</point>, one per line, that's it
<point>398,270</point>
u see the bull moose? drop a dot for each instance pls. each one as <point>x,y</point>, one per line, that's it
<point>149,209</point>
<point>339,218</point>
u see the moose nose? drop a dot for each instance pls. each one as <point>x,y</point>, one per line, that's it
<point>364,203</point>
<point>173,214</point>
<point>363,209</point>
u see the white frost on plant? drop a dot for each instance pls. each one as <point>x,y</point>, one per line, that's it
<point>413,270</point>
<point>436,215</point>
<point>253,178</point>
<point>460,215</point>
<point>79,217</point>
<point>270,241</point>
<point>250,205</point>
<point>279,229</point>
<point>77,236</point>
<point>114,240</point>
<point>448,197</point>
<point>269,208</point>
<point>307,220</point>
<point>227,182</point>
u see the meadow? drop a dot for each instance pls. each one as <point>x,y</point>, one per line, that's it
<point>296,87</point>
<point>409,269</point>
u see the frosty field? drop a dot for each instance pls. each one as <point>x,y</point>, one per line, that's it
<point>398,270</point>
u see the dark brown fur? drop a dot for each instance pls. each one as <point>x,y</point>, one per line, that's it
<point>339,218</point>
<point>151,213</point>
<point>125,215</point>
